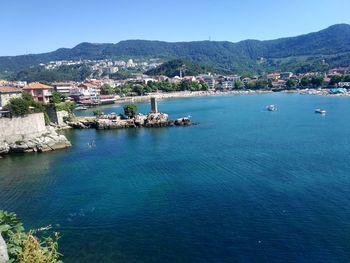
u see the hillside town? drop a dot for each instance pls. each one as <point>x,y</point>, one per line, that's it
<point>105,66</point>
<point>93,92</point>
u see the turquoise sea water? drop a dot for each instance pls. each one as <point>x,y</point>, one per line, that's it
<point>246,185</point>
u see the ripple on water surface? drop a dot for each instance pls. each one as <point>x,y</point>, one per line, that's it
<point>246,185</point>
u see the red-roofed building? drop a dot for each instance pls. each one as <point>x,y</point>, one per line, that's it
<point>39,91</point>
<point>7,93</point>
<point>63,87</point>
<point>90,89</point>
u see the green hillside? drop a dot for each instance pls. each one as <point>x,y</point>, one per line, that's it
<point>294,53</point>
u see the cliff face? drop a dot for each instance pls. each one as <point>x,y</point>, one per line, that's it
<point>29,134</point>
<point>48,141</point>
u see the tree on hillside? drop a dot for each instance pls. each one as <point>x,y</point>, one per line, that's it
<point>139,89</point>
<point>291,83</point>
<point>335,80</point>
<point>316,81</point>
<point>269,83</point>
<point>107,89</point>
<point>346,78</point>
<point>238,84</point>
<point>260,84</point>
<point>204,86</point>
<point>304,82</point>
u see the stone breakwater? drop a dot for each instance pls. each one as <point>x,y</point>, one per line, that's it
<point>139,121</point>
<point>50,140</point>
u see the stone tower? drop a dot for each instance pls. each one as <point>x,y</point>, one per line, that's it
<point>154,107</point>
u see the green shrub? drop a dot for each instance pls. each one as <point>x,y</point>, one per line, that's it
<point>66,106</point>
<point>130,110</point>
<point>18,107</point>
<point>26,247</point>
<point>58,97</point>
<point>98,112</point>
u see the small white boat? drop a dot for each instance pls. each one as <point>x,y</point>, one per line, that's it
<point>320,111</point>
<point>271,108</point>
<point>81,108</point>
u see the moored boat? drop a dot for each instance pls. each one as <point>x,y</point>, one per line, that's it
<point>81,108</point>
<point>271,108</point>
<point>320,111</point>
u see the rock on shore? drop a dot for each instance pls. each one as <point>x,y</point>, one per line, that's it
<point>140,120</point>
<point>49,141</point>
<point>4,257</point>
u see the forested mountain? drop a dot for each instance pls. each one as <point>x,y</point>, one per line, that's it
<point>299,53</point>
<point>172,68</point>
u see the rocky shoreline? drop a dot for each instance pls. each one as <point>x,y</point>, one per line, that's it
<point>114,121</point>
<point>48,141</point>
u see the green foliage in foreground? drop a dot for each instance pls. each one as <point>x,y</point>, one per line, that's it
<point>18,107</point>
<point>130,110</point>
<point>25,247</point>
<point>68,106</point>
<point>23,106</point>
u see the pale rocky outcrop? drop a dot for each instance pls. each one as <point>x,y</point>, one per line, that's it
<point>4,257</point>
<point>183,122</point>
<point>48,141</point>
<point>115,122</point>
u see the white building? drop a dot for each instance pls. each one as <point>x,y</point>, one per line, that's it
<point>344,84</point>
<point>63,87</point>
<point>286,75</point>
<point>7,93</point>
<point>209,79</point>
<point>130,64</point>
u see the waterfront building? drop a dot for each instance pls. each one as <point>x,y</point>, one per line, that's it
<point>286,75</point>
<point>228,82</point>
<point>63,87</point>
<point>111,70</point>
<point>130,64</point>
<point>7,93</point>
<point>88,89</point>
<point>344,84</point>
<point>175,79</point>
<point>39,91</point>
<point>120,63</point>
<point>190,78</point>
<point>208,79</point>
<point>274,76</point>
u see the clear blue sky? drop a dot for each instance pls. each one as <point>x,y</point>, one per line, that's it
<point>35,26</point>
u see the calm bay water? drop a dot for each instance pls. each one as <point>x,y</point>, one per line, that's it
<point>246,185</point>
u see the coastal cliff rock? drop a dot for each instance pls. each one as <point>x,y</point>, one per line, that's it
<point>115,122</point>
<point>49,141</point>
<point>157,120</point>
<point>4,148</point>
<point>183,122</point>
<point>4,257</point>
